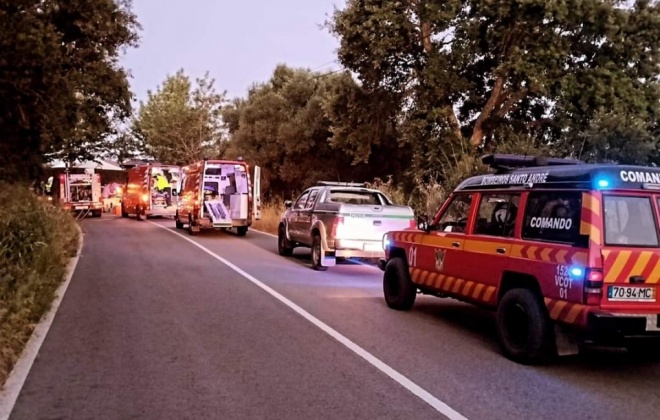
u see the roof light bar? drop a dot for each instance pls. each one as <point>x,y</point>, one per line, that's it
<point>506,161</point>
<point>341,184</point>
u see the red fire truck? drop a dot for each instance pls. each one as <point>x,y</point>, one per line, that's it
<point>80,193</point>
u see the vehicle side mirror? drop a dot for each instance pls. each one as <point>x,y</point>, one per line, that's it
<point>288,204</point>
<point>423,223</point>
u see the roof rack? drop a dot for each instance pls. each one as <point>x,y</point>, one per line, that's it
<point>341,184</point>
<point>508,162</point>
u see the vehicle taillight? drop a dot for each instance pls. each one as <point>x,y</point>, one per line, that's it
<point>593,286</point>
<point>413,224</point>
<point>339,221</point>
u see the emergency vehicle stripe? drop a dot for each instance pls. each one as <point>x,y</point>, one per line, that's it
<point>590,216</point>
<point>457,285</point>
<point>439,281</point>
<point>561,256</point>
<point>591,203</point>
<point>545,254</point>
<point>557,308</point>
<point>477,290</point>
<point>652,271</point>
<point>563,311</point>
<point>617,266</point>
<point>489,293</point>
<point>640,264</point>
<point>467,288</point>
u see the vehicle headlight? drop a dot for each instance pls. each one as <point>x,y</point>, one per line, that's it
<point>145,197</point>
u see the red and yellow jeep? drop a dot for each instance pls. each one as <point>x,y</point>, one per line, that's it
<point>565,252</point>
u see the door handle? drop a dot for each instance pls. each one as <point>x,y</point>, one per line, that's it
<point>456,244</point>
<point>500,250</point>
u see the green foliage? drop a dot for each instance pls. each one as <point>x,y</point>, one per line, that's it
<point>36,241</point>
<point>179,124</point>
<point>61,88</point>
<point>472,76</point>
<point>298,127</point>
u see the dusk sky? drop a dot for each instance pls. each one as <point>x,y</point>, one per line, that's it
<point>238,42</point>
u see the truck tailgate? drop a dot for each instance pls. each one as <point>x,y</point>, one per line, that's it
<point>371,222</point>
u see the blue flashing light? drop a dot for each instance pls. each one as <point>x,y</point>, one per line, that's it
<point>387,243</point>
<point>603,183</point>
<point>577,272</point>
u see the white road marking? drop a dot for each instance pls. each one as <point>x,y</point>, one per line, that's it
<point>424,395</point>
<point>14,384</point>
<point>352,260</point>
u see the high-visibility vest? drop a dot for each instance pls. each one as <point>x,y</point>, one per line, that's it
<point>162,183</point>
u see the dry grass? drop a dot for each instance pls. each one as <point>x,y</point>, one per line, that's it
<point>36,241</point>
<point>270,217</point>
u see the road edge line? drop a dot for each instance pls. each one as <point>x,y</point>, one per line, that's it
<point>402,380</point>
<point>263,232</point>
<point>14,384</point>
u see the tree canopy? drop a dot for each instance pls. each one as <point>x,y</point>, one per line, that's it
<point>298,125</point>
<point>179,123</point>
<point>61,88</point>
<point>476,75</point>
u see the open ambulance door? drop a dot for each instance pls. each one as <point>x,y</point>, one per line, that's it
<point>256,195</point>
<point>96,188</point>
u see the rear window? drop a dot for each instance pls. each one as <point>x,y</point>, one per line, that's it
<point>630,221</point>
<point>357,197</point>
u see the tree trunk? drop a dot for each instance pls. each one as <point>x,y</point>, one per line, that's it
<point>478,132</point>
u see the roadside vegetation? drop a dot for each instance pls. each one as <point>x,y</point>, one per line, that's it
<point>36,241</point>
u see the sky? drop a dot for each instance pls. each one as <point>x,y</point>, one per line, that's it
<point>238,42</point>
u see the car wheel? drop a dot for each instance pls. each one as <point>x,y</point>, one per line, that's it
<point>317,253</point>
<point>283,246</point>
<point>525,330</point>
<point>241,230</point>
<point>398,289</point>
<point>177,222</point>
<point>138,213</point>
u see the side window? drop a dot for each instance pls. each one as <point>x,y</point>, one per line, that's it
<point>300,202</point>
<point>312,199</point>
<point>554,217</point>
<point>497,215</point>
<point>454,218</point>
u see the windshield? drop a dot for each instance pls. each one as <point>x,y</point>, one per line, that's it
<point>630,221</point>
<point>358,197</point>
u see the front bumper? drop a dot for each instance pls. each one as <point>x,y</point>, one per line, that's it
<point>348,248</point>
<point>622,329</point>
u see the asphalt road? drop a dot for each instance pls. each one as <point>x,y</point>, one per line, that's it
<point>153,327</point>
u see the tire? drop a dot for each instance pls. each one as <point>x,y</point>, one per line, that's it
<point>524,328</point>
<point>191,231</point>
<point>97,213</point>
<point>124,213</point>
<point>177,222</point>
<point>241,230</point>
<point>284,248</point>
<point>316,254</point>
<point>398,289</point>
<point>138,213</point>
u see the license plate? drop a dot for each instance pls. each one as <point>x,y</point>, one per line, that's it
<point>80,207</point>
<point>631,294</point>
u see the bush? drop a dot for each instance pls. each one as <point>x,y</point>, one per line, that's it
<point>36,241</point>
<point>270,217</point>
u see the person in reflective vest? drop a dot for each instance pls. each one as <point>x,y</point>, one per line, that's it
<point>163,186</point>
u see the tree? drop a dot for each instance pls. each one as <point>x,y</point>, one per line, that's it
<point>286,126</point>
<point>179,124</point>
<point>472,74</point>
<point>61,89</point>
<point>125,146</point>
